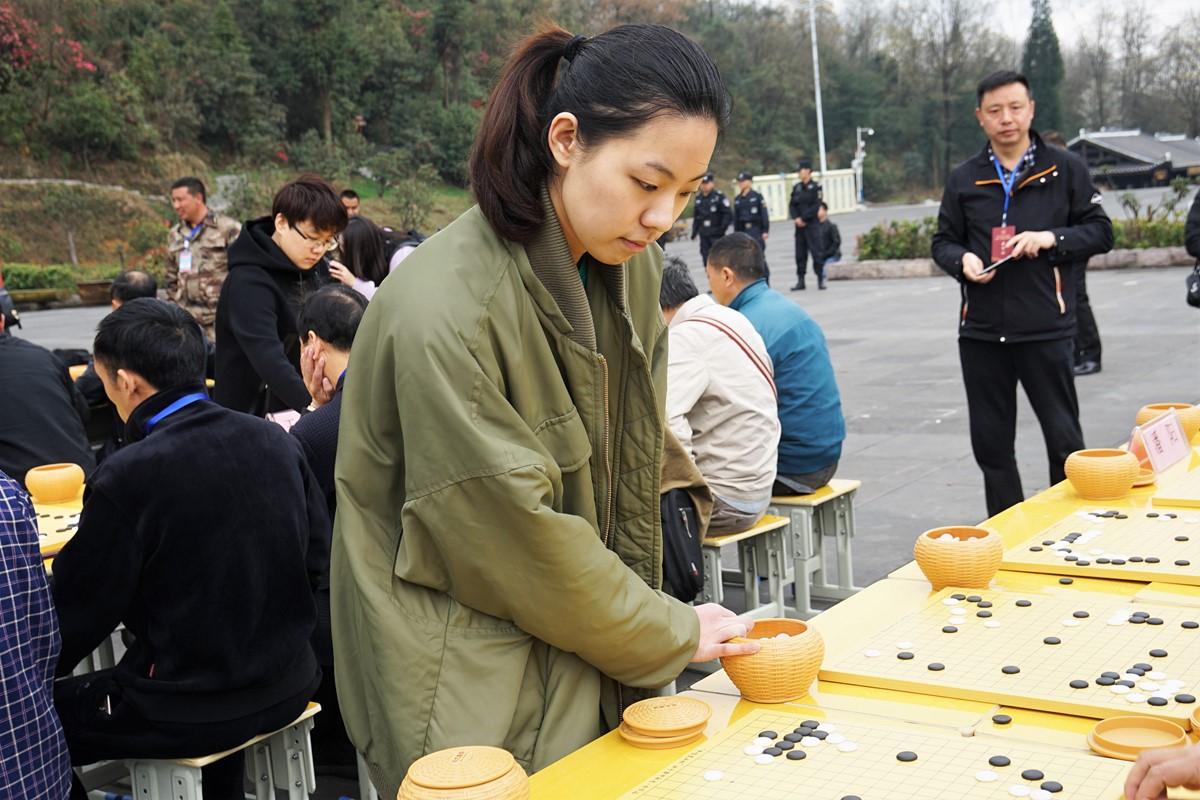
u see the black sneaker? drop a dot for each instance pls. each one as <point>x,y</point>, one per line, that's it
<point>1087,368</point>
<point>799,287</point>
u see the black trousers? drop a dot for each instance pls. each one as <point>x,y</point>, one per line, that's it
<point>808,242</point>
<point>94,734</point>
<point>706,243</point>
<point>1087,335</point>
<point>991,371</point>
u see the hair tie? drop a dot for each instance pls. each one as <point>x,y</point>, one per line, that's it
<point>571,48</point>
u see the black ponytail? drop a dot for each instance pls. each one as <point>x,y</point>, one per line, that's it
<point>613,83</point>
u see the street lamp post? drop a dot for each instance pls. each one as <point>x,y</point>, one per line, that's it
<point>860,154</point>
<point>812,27</point>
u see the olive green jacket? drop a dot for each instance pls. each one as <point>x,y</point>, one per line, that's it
<point>497,556</point>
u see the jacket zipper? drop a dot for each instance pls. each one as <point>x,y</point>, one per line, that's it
<point>607,458</point>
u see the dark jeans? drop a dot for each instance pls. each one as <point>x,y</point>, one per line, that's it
<point>1087,335</point>
<point>806,483</point>
<point>94,734</point>
<point>991,371</point>
<point>706,243</point>
<point>808,240</point>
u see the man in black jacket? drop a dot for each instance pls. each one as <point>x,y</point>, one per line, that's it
<point>1191,231</point>
<point>207,536</point>
<point>42,415</point>
<point>274,264</point>
<point>711,215</point>
<point>802,208</point>
<point>1032,211</point>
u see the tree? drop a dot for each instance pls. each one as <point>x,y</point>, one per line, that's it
<point>1180,73</point>
<point>1042,64</point>
<point>1135,62</point>
<point>1096,63</point>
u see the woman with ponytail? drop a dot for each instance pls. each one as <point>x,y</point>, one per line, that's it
<point>497,559</point>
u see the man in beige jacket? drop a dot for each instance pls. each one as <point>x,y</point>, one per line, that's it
<point>721,401</point>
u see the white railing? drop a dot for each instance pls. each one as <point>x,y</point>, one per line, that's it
<point>840,191</point>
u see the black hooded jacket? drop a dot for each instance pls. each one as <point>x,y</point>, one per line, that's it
<point>258,346</point>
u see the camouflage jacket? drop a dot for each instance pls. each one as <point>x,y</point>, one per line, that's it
<point>198,288</point>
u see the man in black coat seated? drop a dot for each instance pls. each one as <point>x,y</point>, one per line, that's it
<point>207,536</point>
<point>327,324</point>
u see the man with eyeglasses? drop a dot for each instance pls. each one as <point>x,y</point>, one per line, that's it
<point>274,264</point>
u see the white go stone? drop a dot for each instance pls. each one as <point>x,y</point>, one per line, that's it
<point>1070,623</point>
<point>1156,675</point>
<point>986,776</point>
<point>1118,620</point>
<point>991,623</point>
<point>834,738</point>
<point>714,775</point>
<point>763,741</point>
<point>847,747</point>
<point>1192,520</point>
<point>903,645</point>
<point>871,653</point>
<point>1134,697</point>
<point>763,759</point>
<point>1017,790</point>
<point>950,601</point>
<point>945,537</point>
<point>1148,686</point>
<point>782,636</point>
<point>1119,689</point>
<point>752,750</point>
<point>810,741</point>
<point>1040,794</point>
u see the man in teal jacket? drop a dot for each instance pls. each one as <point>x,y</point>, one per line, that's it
<point>810,408</point>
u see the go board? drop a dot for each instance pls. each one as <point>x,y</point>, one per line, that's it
<point>56,525</point>
<point>875,760</point>
<point>1131,544</point>
<point>1071,652</point>
<point>1179,487</point>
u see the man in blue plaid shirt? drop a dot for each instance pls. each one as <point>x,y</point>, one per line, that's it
<point>33,753</point>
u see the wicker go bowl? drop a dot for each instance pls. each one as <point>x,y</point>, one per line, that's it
<point>54,483</point>
<point>1189,416</point>
<point>1102,474</point>
<point>969,560</point>
<point>465,773</point>
<point>783,669</point>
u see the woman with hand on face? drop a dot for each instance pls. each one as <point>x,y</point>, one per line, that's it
<point>364,262</point>
<point>497,561</point>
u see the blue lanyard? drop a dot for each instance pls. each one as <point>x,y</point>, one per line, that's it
<point>1007,184</point>
<point>187,240</point>
<point>183,402</point>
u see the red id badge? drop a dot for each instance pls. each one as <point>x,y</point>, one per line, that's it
<point>1000,238</point>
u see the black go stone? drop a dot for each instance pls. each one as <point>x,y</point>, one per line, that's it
<point>803,731</point>
<point>1035,549</point>
<point>1183,562</point>
<point>784,744</point>
<point>1181,538</point>
<point>810,723</point>
<point>936,667</point>
<point>1081,615</point>
<point>1118,561</point>
<point>1121,516</point>
<point>1082,563</point>
<point>819,734</point>
<point>1072,558</point>
<point>985,604</point>
<point>851,797</point>
<point>772,751</point>
<point>1154,621</point>
<point>1151,514</point>
<point>1102,561</point>
<point>976,598</point>
<point>1048,542</point>
<point>985,613</point>
<point>1135,559</point>
<point>1079,684</point>
<point>1137,620</point>
<point>904,655</point>
<point>1010,670</point>
<point>1102,681</point>
<point>796,755</point>
<point>999,761</point>
<point>959,596</point>
<point>1053,787</point>
<point>1169,516</point>
<point>1066,581</point>
<point>949,629</point>
<point>1024,604</point>
<point>1130,684</point>
<point>1001,719</point>
<point>1141,673</point>
<point>906,756</point>
<point>794,738</point>
<point>1158,653</point>
<point>1185,698</point>
<point>1191,625</point>
<point>1052,640</point>
<point>1142,665</point>
<point>1152,559</point>
<point>1033,775</point>
<point>1157,701</point>
<point>1110,674</point>
<point>1142,614</point>
<point>768,735</point>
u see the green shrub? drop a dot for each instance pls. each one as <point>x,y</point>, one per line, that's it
<point>10,247</point>
<point>1142,233</point>
<point>97,272</point>
<point>899,239</point>
<point>30,276</point>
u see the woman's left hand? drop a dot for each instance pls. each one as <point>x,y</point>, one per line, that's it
<point>339,272</point>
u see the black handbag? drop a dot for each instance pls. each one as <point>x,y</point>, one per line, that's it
<point>1193,286</point>
<point>683,561</point>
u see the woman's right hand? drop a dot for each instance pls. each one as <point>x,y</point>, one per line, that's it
<point>717,626</point>
<point>339,272</point>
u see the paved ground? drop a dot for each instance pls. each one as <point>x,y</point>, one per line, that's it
<point>893,347</point>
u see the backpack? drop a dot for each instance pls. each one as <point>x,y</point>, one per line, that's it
<point>683,561</point>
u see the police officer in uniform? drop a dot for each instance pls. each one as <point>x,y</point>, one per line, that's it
<point>750,211</point>
<point>711,216</point>
<point>196,260</point>
<point>802,208</point>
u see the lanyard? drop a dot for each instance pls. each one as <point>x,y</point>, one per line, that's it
<point>182,402</point>
<point>187,240</point>
<point>1007,185</point>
